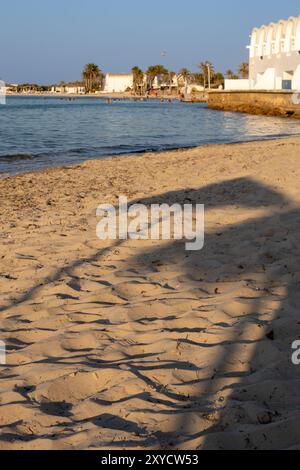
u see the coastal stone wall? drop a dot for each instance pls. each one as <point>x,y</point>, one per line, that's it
<point>196,97</point>
<point>269,103</point>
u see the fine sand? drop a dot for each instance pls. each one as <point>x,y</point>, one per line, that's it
<point>140,344</point>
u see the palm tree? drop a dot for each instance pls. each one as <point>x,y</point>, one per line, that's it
<point>244,70</point>
<point>161,72</point>
<point>151,74</point>
<point>208,71</point>
<point>156,71</point>
<point>186,75</point>
<point>218,79</point>
<point>197,78</point>
<point>231,75</point>
<point>138,80</point>
<point>93,77</point>
<point>171,76</point>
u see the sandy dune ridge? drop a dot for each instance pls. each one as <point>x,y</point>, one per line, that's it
<point>140,344</point>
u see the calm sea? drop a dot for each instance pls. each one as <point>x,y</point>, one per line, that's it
<point>38,132</point>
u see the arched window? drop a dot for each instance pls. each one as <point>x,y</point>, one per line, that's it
<point>283,40</point>
<point>270,44</point>
<point>278,37</point>
<point>261,41</point>
<point>290,36</point>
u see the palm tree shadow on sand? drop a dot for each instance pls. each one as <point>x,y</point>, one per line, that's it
<point>246,394</point>
<point>232,383</point>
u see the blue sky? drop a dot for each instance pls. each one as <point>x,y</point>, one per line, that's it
<point>47,41</point>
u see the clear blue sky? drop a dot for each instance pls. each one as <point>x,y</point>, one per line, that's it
<point>47,41</point>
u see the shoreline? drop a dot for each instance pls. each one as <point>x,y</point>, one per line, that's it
<point>142,153</point>
<point>93,95</point>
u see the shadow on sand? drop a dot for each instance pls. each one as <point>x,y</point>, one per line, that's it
<point>247,284</point>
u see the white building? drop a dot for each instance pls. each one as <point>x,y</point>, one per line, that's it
<point>6,88</point>
<point>237,85</point>
<point>274,58</point>
<point>76,88</point>
<point>118,82</point>
<point>164,82</point>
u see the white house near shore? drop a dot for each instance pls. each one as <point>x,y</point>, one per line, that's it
<point>118,82</point>
<point>274,62</point>
<point>76,88</point>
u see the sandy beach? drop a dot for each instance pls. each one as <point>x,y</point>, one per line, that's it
<point>141,344</point>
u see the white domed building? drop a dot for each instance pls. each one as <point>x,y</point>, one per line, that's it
<point>275,56</point>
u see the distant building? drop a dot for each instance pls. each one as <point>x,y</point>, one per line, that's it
<point>163,83</point>
<point>6,88</point>
<point>12,87</point>
<point>57,89</point>
<point>274,58</point>
<point>76,88</point>
<point>118,82</point>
